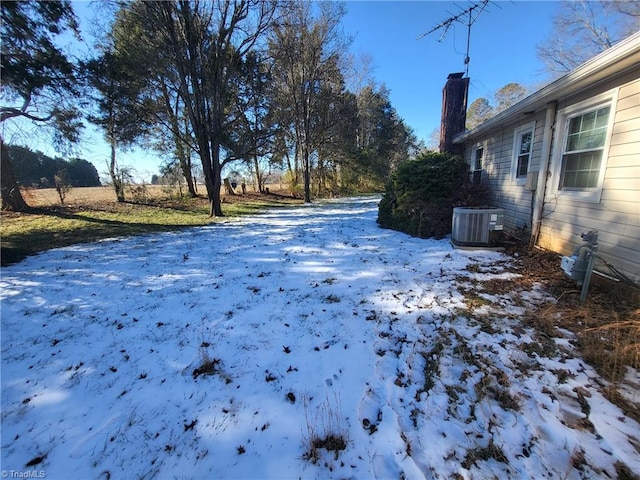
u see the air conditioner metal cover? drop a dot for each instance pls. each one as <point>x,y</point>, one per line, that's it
<point>474,227</point>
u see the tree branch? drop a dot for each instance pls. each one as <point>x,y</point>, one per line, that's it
<point>11,112</point>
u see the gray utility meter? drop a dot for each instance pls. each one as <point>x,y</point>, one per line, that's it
<point>579,265</point>
<point>575,267</point>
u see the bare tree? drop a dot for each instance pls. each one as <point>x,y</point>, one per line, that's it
<point>207,42</point>
<point>306,52</point>
<point>584,28</point>
<point>434,139</point>
<point>62,184</point>
<point>196,48</point>
<point>174,129</point>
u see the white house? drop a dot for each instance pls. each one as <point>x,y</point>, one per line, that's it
<point>566,159</point>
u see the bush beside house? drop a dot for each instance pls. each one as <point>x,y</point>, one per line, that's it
<point>420,197</point>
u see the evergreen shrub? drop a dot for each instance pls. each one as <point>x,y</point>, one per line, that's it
<point>420,197</point>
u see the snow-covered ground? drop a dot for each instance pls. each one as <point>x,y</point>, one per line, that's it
<point>240,350</point>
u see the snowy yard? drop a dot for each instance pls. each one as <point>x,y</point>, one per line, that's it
<point>304,342</point>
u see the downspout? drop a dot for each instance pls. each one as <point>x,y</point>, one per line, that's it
<point>547,140</point>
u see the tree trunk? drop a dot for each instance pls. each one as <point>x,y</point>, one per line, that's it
<point>216,204</point>
<point>306,153</point>
<point>186,171</point>
<point>322,176</point>
<point>205,158</point>
<point>185,166</point>
<point>256,165</point>
<point>228,187</point>
<point>11,196</point>
<point>210,156</point>
<point>307,176</point>
<point>297,163</point>
<point>183,154</point>
<point>118,184</point>
<point>292,173</point>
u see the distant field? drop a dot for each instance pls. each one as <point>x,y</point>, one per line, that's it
<point>92,213</point>
<point>41,197</point>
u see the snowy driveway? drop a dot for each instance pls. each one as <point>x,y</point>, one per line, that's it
<point>224,351</point>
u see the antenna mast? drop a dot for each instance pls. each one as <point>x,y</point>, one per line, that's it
<point>466,17</point>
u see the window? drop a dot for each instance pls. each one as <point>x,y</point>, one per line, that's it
<point>581,151</point>
<point>478,154</point>
<point>584,149</point>
<point>522,148</point>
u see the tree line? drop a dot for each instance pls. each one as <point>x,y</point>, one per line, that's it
<point>216,82</point>
<point>35,169</point>
<point>260,82</point>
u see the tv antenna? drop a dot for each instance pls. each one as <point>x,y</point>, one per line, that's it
<point>467,17</point>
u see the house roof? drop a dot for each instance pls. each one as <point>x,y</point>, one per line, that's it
<point>617,60</point>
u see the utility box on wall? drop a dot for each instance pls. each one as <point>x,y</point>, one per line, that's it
<point>476,227</point>
<point>532,181</point>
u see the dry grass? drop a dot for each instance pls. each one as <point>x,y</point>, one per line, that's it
<point>606,325</point>
<point>92,213</point>
<point>491,451</point>
<point>43,197</point>
<point>209,365</point>
<point>87,196</point>
<point>624,338</point>
<point>326,430</point>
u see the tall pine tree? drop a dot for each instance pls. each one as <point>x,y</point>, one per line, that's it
<point>38,80</point>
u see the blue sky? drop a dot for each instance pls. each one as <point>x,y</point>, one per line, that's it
<point>503,50</point>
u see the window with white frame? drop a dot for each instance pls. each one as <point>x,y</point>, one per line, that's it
<point>476,164</point>
<point>522,148</point>
<point>581,152</point>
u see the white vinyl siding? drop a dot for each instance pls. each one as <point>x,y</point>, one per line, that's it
<point>617,214</point>
<point>497,164</point>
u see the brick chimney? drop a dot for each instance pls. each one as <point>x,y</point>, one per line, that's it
<point>454,111</point>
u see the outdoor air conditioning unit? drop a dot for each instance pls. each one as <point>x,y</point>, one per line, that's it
<point>476,227</point>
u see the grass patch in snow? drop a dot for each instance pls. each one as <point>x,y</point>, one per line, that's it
<point>607,337</point>
<point>209,365</point>
<point>487,386</point>
<point>491,451</point>
<point>326,430</point>
<point>431,368</point>
<point>606,326</point>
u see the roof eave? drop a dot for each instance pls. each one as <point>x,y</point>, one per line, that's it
<point>626,54</point>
